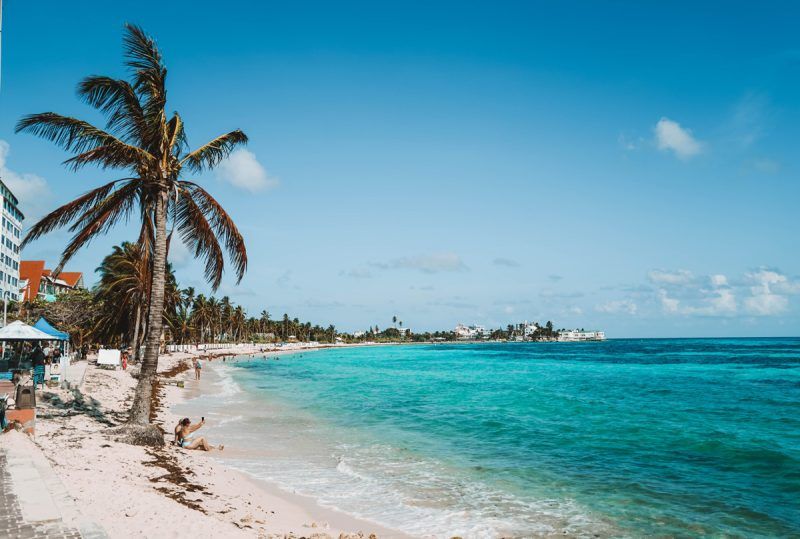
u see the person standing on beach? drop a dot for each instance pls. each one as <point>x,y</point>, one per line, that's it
<point>197,368</point>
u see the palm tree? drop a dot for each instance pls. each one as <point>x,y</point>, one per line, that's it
<point>394,320</point>
<point>151,147</point>
<point>264,321</point>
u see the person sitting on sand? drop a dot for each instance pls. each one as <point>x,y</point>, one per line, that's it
<point>182,431</point>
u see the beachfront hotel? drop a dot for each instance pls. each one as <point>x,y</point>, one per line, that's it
<point>10,238</point>
<point>36,281</point>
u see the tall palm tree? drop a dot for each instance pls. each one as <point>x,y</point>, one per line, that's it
<point>150,146</point>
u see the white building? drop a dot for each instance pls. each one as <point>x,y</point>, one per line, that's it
<point>572,335</point>
<point>10,238</point>
<point>469,332</point>
<point>529,329</point>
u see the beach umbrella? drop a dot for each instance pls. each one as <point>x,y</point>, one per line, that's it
<point>20,331</point>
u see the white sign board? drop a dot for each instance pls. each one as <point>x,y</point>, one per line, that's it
<point>110,357</point>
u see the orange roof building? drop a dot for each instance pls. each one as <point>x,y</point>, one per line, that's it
<point>36,281</point>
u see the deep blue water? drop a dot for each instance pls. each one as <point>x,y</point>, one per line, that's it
<point>620,438</point>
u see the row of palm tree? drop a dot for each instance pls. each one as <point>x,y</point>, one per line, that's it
<point>121,297</point>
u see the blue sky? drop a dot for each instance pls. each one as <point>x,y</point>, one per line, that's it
<point>626,166</point>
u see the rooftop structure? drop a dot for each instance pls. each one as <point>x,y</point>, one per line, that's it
<point>36,281</point>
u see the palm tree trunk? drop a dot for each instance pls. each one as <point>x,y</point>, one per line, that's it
<point>140,411</point>
<point>136,333</point>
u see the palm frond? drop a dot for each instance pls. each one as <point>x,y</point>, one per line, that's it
<point>177,136</point>
<point>76,136</point>
<point>223,225</point>
<point>210,154</point>
<point>99,220</point>
<point>119,101</point>
<point>65,214</point>
<point>196,232</point>
<point>111,156</point>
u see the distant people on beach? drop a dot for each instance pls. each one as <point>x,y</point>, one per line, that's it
<point>182,439</point>
<point>125,359</point>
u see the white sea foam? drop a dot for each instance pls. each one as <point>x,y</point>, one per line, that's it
<point>226,385</point>
<point>393,487</point>
<point>421,497</point>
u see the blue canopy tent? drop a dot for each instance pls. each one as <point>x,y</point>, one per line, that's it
<point>44,326</point>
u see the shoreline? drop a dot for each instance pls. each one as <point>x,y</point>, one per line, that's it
<point>134,491</point>
<point>328,520</point>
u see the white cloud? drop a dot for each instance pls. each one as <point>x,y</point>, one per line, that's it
<point>243,170</point>
<point>623,306</point>
<point>670,136</point>
<point>768,292</point>
<point>670,277</point>
<point>701,300</point>
<point>433,263</point>
<point>31,190</point>
<point>766,304</point>
<point>668,304</point>
<point>718,280</point>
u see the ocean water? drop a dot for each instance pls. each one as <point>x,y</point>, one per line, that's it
<point>695,437</point>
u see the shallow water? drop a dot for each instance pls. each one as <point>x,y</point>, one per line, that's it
<point>619,438</point>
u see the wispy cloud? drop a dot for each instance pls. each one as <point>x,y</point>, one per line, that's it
<point>658,276</point>
<point>670,136</point>
<point>624,306</point>
<point>357,273</point>
<point>456,302</point>
<point>31,190</point>
<point>507,262</point>
<point>748,118</point>
<point>430,263</point>
<point>243,170</point>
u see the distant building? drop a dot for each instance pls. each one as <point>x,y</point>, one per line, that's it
<point>359,334</point>
<point>469,332</point>
<point>571,335</point>
<point>528,329</point>
<point>36,281</point>
<point>10,239</point>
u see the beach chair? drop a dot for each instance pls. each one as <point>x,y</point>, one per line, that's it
<point>108,358</point>
<point>38,375</point>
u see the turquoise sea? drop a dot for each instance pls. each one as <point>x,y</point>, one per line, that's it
<point>695,437</point>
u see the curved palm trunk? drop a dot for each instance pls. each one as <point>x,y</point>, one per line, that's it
<point>136,333</point>
<point>140,411</point>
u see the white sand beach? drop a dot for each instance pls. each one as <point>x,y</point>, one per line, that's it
<point>135,491</point>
